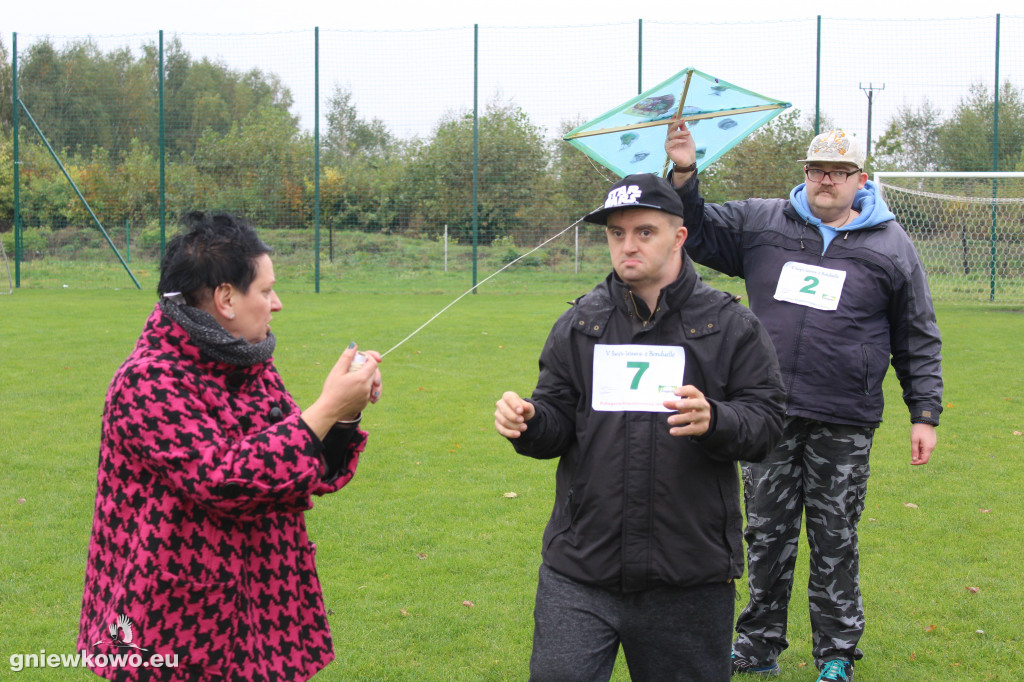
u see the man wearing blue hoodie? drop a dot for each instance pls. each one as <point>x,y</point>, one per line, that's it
<point>842,292</point>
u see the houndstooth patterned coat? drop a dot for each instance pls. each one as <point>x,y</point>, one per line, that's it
<point>199,538</point>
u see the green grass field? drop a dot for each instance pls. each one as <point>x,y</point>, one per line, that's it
<point>425,527</point>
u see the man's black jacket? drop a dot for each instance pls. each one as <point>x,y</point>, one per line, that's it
<point>636,507</point>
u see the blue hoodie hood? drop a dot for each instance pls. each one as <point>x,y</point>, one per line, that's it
<point>868,202</point>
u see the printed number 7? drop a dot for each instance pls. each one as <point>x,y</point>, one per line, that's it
<point>809,289</point>
<point>640,368</point>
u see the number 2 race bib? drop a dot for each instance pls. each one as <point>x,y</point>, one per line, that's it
<point>633,378</point>
<point>810,285</point>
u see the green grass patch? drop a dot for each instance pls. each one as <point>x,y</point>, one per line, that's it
<point>425,526</point>
<point>376,262</point>
<point>351,262</point>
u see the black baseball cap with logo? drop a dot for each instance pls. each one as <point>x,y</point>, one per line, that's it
<point>643,190</point>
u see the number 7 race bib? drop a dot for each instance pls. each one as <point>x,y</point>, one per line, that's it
<point>634,378</point>
<point>810,285</point>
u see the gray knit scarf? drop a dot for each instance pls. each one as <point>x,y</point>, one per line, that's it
<point>211,338</point>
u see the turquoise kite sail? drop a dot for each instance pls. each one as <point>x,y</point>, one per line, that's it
<point>631,137</point>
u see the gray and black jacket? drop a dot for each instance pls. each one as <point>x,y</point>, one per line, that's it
<point>832,362</point>
<point>636,507</point>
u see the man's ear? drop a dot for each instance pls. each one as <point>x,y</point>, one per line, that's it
<point>681,234</point>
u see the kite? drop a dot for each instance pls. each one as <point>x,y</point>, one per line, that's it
<point>631,138</point>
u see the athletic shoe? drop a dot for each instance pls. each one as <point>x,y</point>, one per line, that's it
<point>836,670</point>
<point>742,666</point>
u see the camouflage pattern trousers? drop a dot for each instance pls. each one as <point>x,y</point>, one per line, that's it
<point>821,469</point>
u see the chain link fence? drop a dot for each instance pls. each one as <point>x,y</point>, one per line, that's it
<point>329,137</point>
<point>968,229</point>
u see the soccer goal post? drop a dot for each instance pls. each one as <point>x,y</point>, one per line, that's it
<point>7,269</point>
<point>968,229</point>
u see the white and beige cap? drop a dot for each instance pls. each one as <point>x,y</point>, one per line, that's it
<point>835,146</point>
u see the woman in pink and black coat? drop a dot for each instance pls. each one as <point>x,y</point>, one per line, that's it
<point>199,553</point>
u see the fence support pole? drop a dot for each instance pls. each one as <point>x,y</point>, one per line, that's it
<point>17,163</point>
<point>78,192</point>
<point>316,156</point>
<point>817,83</point>
<point>995,168</point>
<point>476,144</point>
<point>163,154</point>
<point>640,56</point>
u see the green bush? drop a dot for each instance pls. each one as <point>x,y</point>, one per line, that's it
<point>35,242</point>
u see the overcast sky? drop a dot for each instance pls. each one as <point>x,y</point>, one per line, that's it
<point>115,17</point>
<point>202,22</point>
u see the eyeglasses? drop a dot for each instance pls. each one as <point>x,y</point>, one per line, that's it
<point>837,177</point>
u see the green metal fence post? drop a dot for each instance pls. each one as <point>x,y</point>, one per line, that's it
<point>995,169</point>
<point>163,151</point>
<point>316,155</point>
<point>476,144</point>
<point>640,56</point>
<point>127,242</point>
<point>817,83</point>
<point>17,162</point>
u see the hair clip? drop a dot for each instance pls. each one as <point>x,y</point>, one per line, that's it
<point>175,297</point>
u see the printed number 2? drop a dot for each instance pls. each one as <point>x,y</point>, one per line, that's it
<point>809,289</point>
<point>640,368</point>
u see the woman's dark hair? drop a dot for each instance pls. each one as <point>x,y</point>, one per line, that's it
<point>216,248</point>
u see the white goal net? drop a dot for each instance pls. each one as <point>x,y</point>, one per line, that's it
<point>968,229</point>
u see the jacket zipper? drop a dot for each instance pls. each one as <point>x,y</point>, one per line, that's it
<point>800,330</point>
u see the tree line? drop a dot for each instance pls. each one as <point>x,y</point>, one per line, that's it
<point>233,143</point>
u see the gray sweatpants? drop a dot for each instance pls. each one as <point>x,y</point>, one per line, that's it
<point>820,469</point>
<point>666,633</point>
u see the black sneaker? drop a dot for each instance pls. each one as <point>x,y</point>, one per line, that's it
<point>836,670</point>
<point>742,666</point>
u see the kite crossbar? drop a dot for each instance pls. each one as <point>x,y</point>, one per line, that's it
<point>666,121</point>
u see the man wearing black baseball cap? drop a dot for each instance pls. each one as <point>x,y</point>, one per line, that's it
<point>651,387</point>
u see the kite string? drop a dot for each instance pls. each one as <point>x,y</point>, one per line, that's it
<point>474,287</point>
<point>600,171</point>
